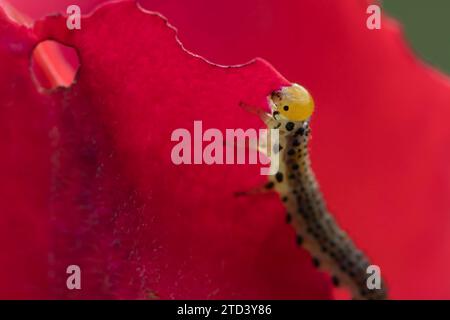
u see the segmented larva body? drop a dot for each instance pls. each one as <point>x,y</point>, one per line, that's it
<point>317,231</point>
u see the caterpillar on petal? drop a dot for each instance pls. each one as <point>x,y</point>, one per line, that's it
<point>317,231</point>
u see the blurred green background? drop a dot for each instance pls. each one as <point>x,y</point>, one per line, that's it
<point>426,24</point>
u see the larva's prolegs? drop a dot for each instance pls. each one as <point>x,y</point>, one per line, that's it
<point>317,231</point>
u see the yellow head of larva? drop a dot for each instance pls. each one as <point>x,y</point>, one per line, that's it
<point>294,103</point>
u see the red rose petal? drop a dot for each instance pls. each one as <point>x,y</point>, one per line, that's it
<point>381,117</point>
<point>25,164</point>
<point>136,224</point>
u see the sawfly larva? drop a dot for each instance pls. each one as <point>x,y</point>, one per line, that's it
<point>317,231</point>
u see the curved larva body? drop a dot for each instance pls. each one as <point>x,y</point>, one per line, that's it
<point>332,250</point>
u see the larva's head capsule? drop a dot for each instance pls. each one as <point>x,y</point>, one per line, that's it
<point>292,103</point>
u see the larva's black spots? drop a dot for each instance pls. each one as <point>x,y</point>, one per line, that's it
<point>288,218</point>
<point>291,176</point>
<point>315,262</point>
<point>286,108</point>
<point>295,166</point>
<point>335,281</point>
<point>296,143</point>
<point>290,126</point>
<point>279,177</point>
<point>299,240</point>
<point>300,131</point>
<point>269,185</point>
<point>291,152</point>
<point>284,199</point>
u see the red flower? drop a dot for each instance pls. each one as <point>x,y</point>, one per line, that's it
<point>88,178</point>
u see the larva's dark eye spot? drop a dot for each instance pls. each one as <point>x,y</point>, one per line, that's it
<point>286,108</point>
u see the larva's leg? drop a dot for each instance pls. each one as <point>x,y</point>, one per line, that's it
<point>264,116</point>
<point>262,145</point>
<point>266,188</point>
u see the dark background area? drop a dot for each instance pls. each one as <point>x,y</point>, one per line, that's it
<point>426,24</point>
